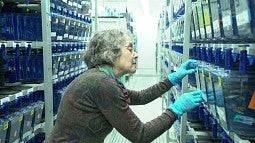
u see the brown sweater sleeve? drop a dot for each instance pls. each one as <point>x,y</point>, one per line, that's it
<point>113,105</point>
<point>147,95</point>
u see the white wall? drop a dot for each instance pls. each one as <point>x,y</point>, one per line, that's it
<point>146,15</point>
<point>146,28</point>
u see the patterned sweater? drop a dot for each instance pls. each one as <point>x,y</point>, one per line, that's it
<point>94,103</point>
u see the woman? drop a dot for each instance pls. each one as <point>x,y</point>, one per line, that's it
<point>96,101</point>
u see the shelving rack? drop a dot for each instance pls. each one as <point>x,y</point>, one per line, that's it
<point>47,64</point>
<point>71,44</point>
<point>170,35</point>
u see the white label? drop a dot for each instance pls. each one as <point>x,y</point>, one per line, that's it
<point>216,24</point>
<point>79,15</point>
<point>59,38</point>
<point>75,4</point>
<point>202,30</point>
<point>197,32</point>
<point>70,3</point>
<point>65,1</point>
<point>208,29</point>
<point>193,34</point>
<point>53,34</point>
<point>243,18</point>
<point>61,73</point>
<point>65,35</point>
<point>66,72</point>
<point>79,6</point>
<point>226,21</point>
<point>75,37</point>
<point>70,36</point>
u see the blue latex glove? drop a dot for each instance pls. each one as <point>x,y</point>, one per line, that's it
<point>186,68</point>
<point>186,102</point>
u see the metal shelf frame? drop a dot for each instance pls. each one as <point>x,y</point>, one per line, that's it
<point>46,46</point>
<point>47,65</point>
<point>187,44</point>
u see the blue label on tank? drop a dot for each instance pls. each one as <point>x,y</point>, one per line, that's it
<point>243,119</point>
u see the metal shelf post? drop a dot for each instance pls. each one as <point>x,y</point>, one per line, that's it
<point>186,46</point>
<point>47,65</point>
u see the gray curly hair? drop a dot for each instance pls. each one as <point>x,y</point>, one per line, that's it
<point>105,47</point>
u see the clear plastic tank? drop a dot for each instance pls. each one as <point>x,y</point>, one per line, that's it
<point>233,92</point>
<point>3,131</point>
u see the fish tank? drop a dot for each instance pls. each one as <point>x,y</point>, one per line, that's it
<point>234,96</point>
<point>210,92</point>
<point>202,83</point>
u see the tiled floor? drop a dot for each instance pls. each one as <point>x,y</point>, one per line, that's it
<point>143,78</point>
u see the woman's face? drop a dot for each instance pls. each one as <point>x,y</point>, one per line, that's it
<point>126,63</point>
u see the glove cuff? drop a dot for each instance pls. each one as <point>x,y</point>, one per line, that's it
<point>172,79</point>
<point>176,110</point>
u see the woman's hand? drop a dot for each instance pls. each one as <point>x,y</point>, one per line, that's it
<point>186,68</point>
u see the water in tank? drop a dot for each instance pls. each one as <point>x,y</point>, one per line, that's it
<point>234,93</point>
<point>207,18</point>
<point>216,19</point>
<point>3,131</point>
<point>245,18</point>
